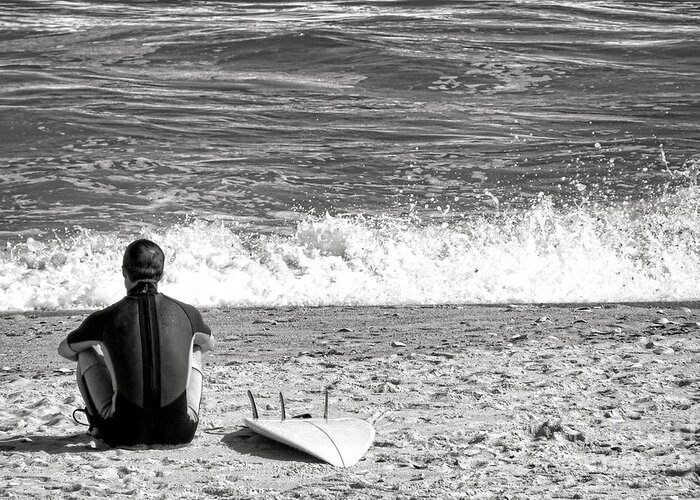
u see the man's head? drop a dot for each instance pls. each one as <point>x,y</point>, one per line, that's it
<point>143,260</point>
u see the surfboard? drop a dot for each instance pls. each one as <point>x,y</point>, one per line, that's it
<point>341,442</point>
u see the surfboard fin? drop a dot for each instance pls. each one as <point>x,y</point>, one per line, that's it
<point>252,405</point>
<point>282,410</point>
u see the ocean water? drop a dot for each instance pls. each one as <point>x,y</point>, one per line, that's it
<point>383,152</point>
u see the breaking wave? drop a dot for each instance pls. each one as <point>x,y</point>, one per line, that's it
<point>630,252</point>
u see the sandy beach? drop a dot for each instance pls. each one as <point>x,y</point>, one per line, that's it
<point>572,401</point>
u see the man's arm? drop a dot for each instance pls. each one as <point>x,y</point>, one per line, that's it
<point>204,341</point>
<point>203,338</point>
<point>71,350</point>
<point>80,339</point>
<point>65,351</point>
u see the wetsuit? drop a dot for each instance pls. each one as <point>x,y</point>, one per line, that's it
<point>147,341</point>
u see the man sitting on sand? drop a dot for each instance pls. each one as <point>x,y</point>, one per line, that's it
<point>140,360</point>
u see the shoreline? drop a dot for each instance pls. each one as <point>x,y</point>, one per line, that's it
<point>690,303</point>
<point>470,401</point>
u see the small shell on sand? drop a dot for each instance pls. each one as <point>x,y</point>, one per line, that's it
<point>685,310</point>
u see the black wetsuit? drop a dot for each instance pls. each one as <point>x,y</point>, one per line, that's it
<point>147,340</point>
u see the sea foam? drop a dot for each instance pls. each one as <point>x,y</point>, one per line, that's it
<point>633,252</point>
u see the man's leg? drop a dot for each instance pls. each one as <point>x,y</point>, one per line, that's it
<point>194,385</point>
<point>95,383</point>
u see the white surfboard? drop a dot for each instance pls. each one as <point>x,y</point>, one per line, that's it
<point>339,441</point>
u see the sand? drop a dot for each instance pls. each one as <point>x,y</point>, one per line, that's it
<point>467,402</point>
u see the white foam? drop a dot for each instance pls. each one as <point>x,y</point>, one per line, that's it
<point>645,252</point>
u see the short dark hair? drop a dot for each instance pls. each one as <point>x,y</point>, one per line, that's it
<point>143,260</point>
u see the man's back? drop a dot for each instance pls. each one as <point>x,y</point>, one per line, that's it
<point>147,340</point>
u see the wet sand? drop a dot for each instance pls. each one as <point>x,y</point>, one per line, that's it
<point>571,401</point>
